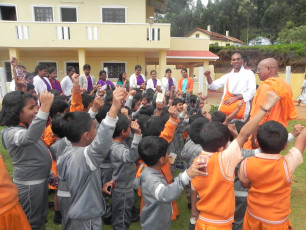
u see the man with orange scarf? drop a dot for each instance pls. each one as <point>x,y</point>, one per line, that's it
<point>284,110</point>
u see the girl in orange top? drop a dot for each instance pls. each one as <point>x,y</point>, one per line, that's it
<point>11,213</point>
<point>185,83</point>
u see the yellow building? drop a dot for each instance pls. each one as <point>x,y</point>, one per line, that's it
<point>108,34</point>
<point>214,37</point>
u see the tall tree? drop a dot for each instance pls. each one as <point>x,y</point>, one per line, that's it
<point>246,9</point>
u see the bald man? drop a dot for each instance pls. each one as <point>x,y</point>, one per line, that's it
<point>239,84</point>
<point>284,110</point>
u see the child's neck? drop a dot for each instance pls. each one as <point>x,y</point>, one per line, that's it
<point>156,167</point>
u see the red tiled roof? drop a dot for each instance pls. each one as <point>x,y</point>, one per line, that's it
<point>215,36</point>
<point>191,54</point>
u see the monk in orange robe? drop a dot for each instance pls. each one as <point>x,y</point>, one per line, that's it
<point>284,110</point>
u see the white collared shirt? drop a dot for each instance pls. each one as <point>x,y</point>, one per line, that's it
<point>67,85</point>
<point>150,84</point>
<point>133,80</point>
<point>40,85</point>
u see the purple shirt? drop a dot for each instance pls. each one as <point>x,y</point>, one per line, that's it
<point>170,83</point>
<point>89,85</point>
<point>108,83</point>
<point>47,84</point>
<point>154,82</point>
<point>139,80</point>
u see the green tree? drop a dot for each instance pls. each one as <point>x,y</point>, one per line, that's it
<point>246,9</point>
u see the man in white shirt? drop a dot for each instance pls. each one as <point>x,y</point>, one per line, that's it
<point>241,84</point>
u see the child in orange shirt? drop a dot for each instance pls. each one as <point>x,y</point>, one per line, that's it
<point>269,176</point>
<point>11,213</point>
<point>216,207</point>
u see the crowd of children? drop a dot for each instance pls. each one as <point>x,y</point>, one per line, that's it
<point>97,145</point>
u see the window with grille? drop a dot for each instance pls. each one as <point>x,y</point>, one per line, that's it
<point>114,69</point>
<point>7,67</point>
<point>113,15</point>
<point>43,14</point>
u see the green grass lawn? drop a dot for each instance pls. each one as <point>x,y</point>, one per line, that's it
<point>298,197</point>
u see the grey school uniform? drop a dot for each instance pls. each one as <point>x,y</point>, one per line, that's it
<point>123,158</point>
<point>158,195</point>
<point>79,168</point>
<point>32,164</point>
<point>241,194</point>
<point>190,152</point>
<point>63,194</point>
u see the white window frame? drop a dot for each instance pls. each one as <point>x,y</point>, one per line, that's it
<point>40,5</point>
<point>9,4</point>
<point>60,13</point>
<point>113,62</point>
<point>114,7</point>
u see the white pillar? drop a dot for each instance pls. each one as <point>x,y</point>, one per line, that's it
<point>3,81</point>
<point>288,74</point>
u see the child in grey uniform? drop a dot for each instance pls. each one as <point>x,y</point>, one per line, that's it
<point>124,158</point>
<point>157,194</point>
<point>79,166</point>
<point>31,158</point>
<point>193,148</point>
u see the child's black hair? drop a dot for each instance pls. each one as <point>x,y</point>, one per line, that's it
<point>109,97</point>
<point>69,68</point>
<point>86,66</point>
<point>51,69</point>
<point>142,119</point>
<point>58,106</point>
<point>194,117</point>
<point>150,91</point>
<point>134,101</point>
<point>213,136</point>
<point>137,97</point>
<point>54,92</point>
<point>151,149</point>
<point>148,110</point>
<point>153,127</point>
<point>137,67</point>
<point>195,129</point>
<point>12,105</point>
<point>218,116</point>
<point>76,123</point>
<point>102,112</point>
<point>122,124</point>
<point>87,99</point>
<point>59,97</point>
<point>129,110</point>
<point>165,116</point>
<point>176,101</point>
<point>272,137</point>
<point>30,86</point>
<point>193,99</point>
<point>28,75</point>
<point>57,125</point>
<point>145,95</point>
<point>239,124</point>
<point>40,67</point>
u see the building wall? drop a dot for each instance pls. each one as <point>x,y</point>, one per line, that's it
<point>87,11</point>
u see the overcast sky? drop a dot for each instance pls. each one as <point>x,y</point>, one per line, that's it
<point>203,1</point>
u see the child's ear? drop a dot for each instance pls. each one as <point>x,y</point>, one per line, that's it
<point>85,136</point>
<point>220,149</point>
<point>286,145</point>
<point>162,160</point>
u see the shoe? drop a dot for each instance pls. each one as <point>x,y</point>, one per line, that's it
<point>57,217</point>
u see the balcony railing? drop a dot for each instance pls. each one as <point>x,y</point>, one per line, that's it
<point>86,35</point>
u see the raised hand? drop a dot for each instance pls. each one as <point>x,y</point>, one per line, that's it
<point>271,100</point>
<point>14,61</point>
<point>75,79</point>
<point>46,100</point>
<point>173,112</point>
<point>124,112</point>
<point>297,130</point>
<point>207,73</point>
<point>97,104</point>
<point>135,127</point>
<point>193,170</point>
